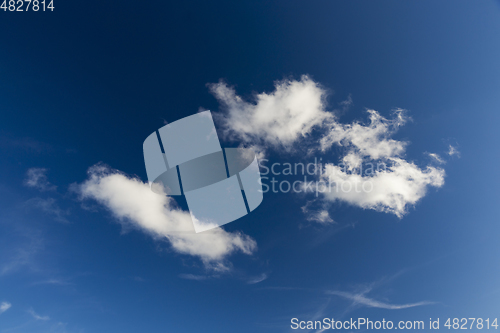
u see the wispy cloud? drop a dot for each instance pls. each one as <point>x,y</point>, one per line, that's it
<point>133,203</point>
<point>436,158</point>
<point>361,299</point>
<point>371,140</point>
<point>23,255</point>
<point>453,151</point>
<point>283,288</point>
<point>257,279</point>
<point>321,216</point>
<point>49,206</point>
<point>4,306</point>
<point>315,214</point>
<point>53,281</point>
<point>27,144</point>
<point>37,316</point>
<point>37,178</point>
<point>194,277</point>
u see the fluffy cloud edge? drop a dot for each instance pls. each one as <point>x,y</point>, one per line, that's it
<point>132,203</point>
<point>279,118</point>
<point>286,117</point>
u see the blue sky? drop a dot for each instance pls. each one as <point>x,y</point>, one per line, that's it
<point>87,83</point>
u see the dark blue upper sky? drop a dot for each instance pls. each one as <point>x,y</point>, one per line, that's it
<point>88,82</point>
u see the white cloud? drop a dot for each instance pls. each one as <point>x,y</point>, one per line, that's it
<point>4,306</point>
<point>133,203</point>
<point>37,178</point>
<point>291,112</point>
<point>452,151</point>
<point>279,118</point>
<point>320,215</point>
<point>361,299</point>
<point>391,189</point>
<point>436,158</point>
<point>37,316</point>
<point>372,140</point>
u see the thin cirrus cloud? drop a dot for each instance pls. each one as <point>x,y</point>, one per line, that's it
<point>4,306</point>
<point>194,277</point>
<point>49,206</point>
<point>37,178</point>
<point>52,281</point>
<point>27,144</point>
<point>296,111</point>
<point>257,279</point>
<point>133,203</point>
<point>361,299</point>
<point>36,316</point>
<point>23,256</point>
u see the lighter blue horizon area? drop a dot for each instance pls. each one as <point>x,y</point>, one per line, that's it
<point>84,246</point>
